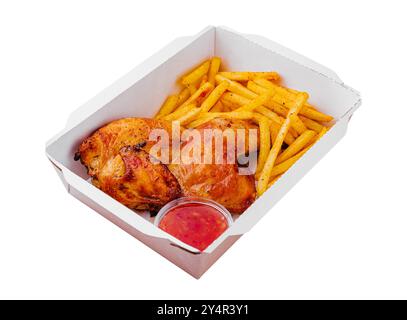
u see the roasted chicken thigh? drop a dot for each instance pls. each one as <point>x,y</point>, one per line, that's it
<point>220,182</point>
<point>118,166</point>
<point>132,178</point>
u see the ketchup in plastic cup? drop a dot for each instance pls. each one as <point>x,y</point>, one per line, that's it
<point>195,221</point>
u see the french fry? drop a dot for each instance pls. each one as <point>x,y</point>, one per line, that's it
<point>270,115</point>
<point>168,106</point>
<point>284,166</point>
<point>179,112</point>
<point>322,132</point>
<point>227,102</point>
<point>196,74</point>
<point>213,69</point>
<point>274,127</point>
<point>285,97</point>
<point>239,89</point>
<point>203,80</point>
<point>318,136</point>
<point>264,128</point>
<point>314,114</point>
<point>276,107</point>
<point>246,76</point>
<point>311,124</point>
<point>291,134</point>
<point>236,87</point>
<point>183,96</point>
<point>291,90</point>
<point>227,106</point>
<point>236,99</point>
<point>296,146</point>
<point>218,107</point>
<point>274,132</point>
<point>192,88</point>
<point>297,124</point>
<point>239,100</point>
<point>289,138</point>
<point>189,116</point>
<point>256,102</point>
<point>273,181</point>
<point>214,96</point>
<point>268,84</point>
<point>295,92</point>
<point>203,118</point>
<point>242,115</point>
<point>200,94</point>
<point>272,156</point>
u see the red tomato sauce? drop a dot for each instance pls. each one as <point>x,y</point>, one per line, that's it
<point>195,224</point>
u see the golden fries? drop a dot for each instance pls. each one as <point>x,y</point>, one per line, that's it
<point>311,124</point>
<point>256,102</point>
<point>296,146</point>
<point>168,106</point>
<point>194,76</point>
<point>179,112</point>
<point>236,87</point>
<point>297,124</point>
<point>270,115</point>
<point>238,100</point>
<point>218,107</point>
<point>274,132</point>
<point>235,99</point>
<point>281,114</point>
<point>199,95</point>
<point>313,114</point>
<point>264,128</point>
<point>272,156</point>
<point>214,96</point>
<point>203,80</point>
<point>276,107</point>
<point>285,97</point>
<point>242,115</point>
<point>192,88</point>
<point>246,76</point>
<point>213,69</point>
<point>227,105</point>
<point>322,132</point>
<point>189,116</point>
<point>284,166</point>
<point>183,96</point>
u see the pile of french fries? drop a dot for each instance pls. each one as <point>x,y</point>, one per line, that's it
<point>288,124</point>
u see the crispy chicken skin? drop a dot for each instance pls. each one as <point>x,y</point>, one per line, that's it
<point>134,180</point>
<point>119,167</point>
<point>106,142</point>
<point>219,182</point>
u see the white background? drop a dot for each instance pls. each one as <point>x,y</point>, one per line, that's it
<point>340,233</point>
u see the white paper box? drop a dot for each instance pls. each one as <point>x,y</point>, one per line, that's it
<point>141,92</point>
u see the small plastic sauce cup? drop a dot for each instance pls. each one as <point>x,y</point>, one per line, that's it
<point>195,221</point>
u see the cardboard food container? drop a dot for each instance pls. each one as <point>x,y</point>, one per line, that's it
<point>141,92</point>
